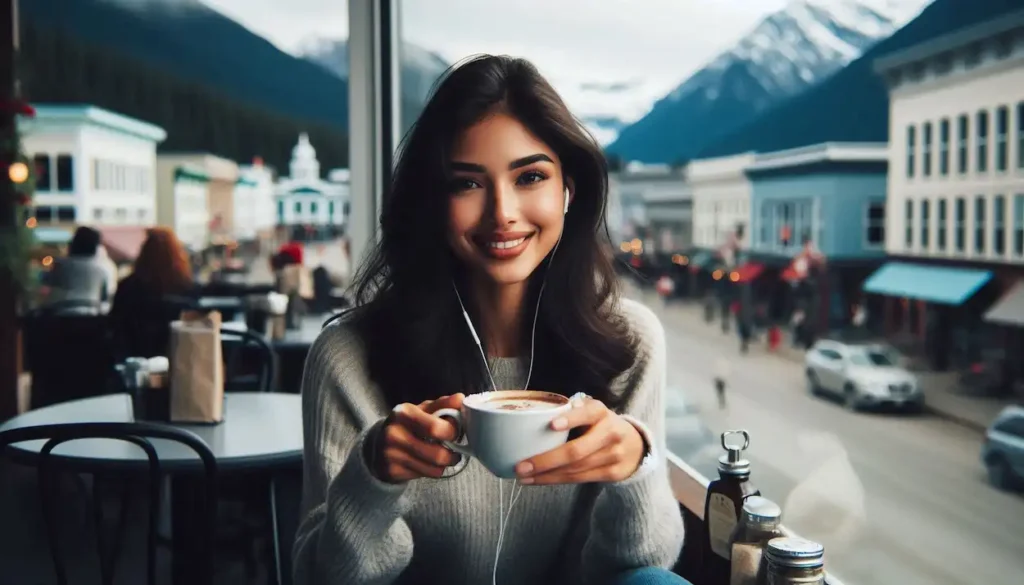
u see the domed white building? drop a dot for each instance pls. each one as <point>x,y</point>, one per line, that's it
<point>305,201</point>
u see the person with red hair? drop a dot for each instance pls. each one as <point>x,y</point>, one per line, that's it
<point>152,296</point>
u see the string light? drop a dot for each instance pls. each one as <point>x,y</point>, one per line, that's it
<point>31,222</point>
<point>18,172</point>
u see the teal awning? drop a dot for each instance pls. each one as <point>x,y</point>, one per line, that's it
<point>933,284</point>
<point>48,235</point>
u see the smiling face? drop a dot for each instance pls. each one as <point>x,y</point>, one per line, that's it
<point>506,200</point>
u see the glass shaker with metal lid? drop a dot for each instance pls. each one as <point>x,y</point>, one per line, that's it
<point>795,561</point>
<point>723,504</point>
<point>760,522</point>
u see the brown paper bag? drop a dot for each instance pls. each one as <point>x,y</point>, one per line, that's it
<point>197,369</point>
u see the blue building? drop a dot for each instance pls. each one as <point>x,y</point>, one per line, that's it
<point>821,202</point>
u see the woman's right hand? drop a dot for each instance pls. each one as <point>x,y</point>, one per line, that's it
<point>408,444</point>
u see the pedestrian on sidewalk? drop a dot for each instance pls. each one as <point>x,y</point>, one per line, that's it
<point>746,331</point>
<point>722,371</point>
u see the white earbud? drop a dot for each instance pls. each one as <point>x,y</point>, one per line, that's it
<point>565,206</point>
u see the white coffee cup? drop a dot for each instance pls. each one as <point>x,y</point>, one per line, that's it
<point>504,427</point>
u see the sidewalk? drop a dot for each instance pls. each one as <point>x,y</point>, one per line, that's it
<point>940,388</point>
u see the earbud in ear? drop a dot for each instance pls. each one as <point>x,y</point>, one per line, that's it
<point>565,206</point>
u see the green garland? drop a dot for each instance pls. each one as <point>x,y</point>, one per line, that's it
<point>17,241</point>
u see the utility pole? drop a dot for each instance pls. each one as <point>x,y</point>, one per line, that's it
<point>9,92</point>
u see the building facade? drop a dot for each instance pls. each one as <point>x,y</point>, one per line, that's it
<point>181,176</point>
<point>308,206</point>
<point>93,166</point>
<point>721,198</point>
<point>255,212</point>
<point>829,198</point>
<point>955,212</point>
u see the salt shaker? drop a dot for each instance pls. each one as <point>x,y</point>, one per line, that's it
<point>795,561</point>
<point>760,522</point>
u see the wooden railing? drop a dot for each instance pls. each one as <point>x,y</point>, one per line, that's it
<point>690,488</point>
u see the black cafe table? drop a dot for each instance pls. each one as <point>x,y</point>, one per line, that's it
<point>261,432</point>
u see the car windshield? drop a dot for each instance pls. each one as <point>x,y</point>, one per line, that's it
<point>871,357</point>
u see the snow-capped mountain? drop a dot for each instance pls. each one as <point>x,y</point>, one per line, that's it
<point>787,52</point>
<point>420,68</point>
<point>606,108</point>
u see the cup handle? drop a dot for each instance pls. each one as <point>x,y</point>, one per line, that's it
<point>456,419</point>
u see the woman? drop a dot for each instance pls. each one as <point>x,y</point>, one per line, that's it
<point>79,277</point>
<point>152,296</point>
<point>495,157</point>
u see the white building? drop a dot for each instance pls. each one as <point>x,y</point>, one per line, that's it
<point>652,202</point>
<point>306,200</point>
<point>93,166</point>
<point>956,169</point>
<point>186,209</point>
<point>721,198</point>
<point>255,211</point>
<point>196,193</point>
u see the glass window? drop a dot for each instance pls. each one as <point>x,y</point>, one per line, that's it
<point>42,162</point>
<point>960,226</point>
<point>65,213</point>
<point>313,207</point>
<point>908,238</point>
<point>982,151</point>
<point>963,130</point>
<point>875,224</point>
<point>1018,224</point>
<point>65,173</point>
<point>925,216</point>
<point>926,149</point>
<point>297,207</point>
<point>999,225</point>
<point>280,212</point>
<point>911,146</point>
<point>1020,135</point>
<point>940,228</point>
<point>330,210</point>
<point>44,214</point>
<point>979,224</point>
<point>944,147</point>
<point>1002,127</point>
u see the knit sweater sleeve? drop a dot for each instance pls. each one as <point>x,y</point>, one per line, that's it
<point>351,529</point>
<point>637,523</point>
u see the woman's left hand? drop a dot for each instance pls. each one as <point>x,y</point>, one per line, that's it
<point>610,450</point>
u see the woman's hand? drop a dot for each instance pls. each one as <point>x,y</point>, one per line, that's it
<point>610,450</point>
<point>407,445</point>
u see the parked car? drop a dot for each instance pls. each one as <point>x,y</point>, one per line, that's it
<point>1003,450</point>
<point>863,375</point>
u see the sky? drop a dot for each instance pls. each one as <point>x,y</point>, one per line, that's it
<point>656,42</point>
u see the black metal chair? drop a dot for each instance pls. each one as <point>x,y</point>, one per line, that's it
<point>253,499</point>
<point>139,435</point>
<point>234,343</point>
<point>70,355</point>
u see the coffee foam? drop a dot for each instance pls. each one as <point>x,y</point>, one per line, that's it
<point>519,404</point>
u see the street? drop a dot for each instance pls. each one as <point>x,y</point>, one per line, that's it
<point>895,499</point>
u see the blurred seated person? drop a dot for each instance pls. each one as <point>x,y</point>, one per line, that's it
<point>291,276</point>
<point>154,294</point>
<point>81,275</point>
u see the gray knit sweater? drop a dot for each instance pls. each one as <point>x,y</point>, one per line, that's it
<point>357,530</point>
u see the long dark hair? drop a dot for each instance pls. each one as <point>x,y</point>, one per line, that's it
<point>418,346</point>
